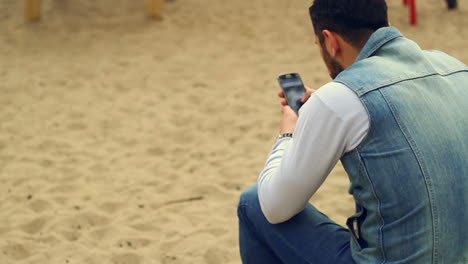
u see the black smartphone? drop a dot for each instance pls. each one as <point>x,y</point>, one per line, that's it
<point>293,88</point>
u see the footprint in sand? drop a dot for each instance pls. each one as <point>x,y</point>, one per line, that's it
<point>63,188</point>
<point>127,258</point>
<point>73,226</point>
<point>156,151</point>
<point>34,226</point>
<point>215,256</point>
<point>146,227</point>
<point>168,259</point>
<point>39,206</point>
<point>70,235</point>
<point>134,243</point>
<point>77,126</point>
<point>15,251</point>
<point>111,207</point>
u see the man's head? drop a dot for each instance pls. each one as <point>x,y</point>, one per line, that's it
<point>342,28</point>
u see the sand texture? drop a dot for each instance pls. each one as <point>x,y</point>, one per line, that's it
<point>127,140</point>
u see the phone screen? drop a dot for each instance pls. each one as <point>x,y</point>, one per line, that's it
<point>293,89</point>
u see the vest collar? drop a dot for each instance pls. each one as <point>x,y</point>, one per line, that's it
<point>377,40</point>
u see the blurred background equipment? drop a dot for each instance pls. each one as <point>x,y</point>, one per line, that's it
<point>155,8</point>
<point>451,4</point>
<point>32,9</point>
<point>412,11</point>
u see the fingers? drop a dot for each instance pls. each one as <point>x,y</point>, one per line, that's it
<point>281,95</point>
<point>309,91</point>
<point>306,97</point>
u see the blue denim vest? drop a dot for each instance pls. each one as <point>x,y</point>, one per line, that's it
<point>409,176</point>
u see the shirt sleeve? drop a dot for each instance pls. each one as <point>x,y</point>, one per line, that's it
<point>331,123</point>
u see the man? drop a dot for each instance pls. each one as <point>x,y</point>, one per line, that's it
<point>397,118</point>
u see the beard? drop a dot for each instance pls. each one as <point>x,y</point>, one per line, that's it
<point>334,67</point>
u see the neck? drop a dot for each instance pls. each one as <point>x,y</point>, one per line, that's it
<point>349,55</point>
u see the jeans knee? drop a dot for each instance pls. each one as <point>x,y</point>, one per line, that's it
<point>249,196</point>
<point>248,201</point>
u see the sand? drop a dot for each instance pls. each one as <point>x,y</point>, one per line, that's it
<point>129,140</point>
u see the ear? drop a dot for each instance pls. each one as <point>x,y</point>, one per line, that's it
<point>332,43</point>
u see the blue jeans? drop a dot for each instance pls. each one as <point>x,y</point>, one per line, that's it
<point>308,237</point>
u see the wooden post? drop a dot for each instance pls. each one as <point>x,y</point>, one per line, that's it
<point>155,8</point>
<point>32,10</point>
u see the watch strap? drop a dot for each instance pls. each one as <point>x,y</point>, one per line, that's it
<point>280,136</point>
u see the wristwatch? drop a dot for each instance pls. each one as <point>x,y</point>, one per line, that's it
<point>280,136</point>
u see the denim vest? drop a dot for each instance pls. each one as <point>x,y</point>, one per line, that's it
<point>409,176</point>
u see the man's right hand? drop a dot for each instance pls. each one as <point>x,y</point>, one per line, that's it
<point>306,97</point>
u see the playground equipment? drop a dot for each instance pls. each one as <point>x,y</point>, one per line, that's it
<point>32,9</point>
<point>451,4</point>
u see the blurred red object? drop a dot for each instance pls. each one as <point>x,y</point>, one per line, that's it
<point>412,11</point>
<point>451,4</point>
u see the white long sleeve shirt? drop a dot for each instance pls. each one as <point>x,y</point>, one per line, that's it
<point>332,122</point>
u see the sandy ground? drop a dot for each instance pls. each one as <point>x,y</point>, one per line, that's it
<point>128,140</point>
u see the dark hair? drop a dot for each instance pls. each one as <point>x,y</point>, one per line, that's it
<point>354,20</point>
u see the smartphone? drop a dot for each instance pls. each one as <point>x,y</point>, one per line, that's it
<point>293,88</point>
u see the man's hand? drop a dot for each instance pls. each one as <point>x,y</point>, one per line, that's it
<point>306,97</point>
<point>289,119</point>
